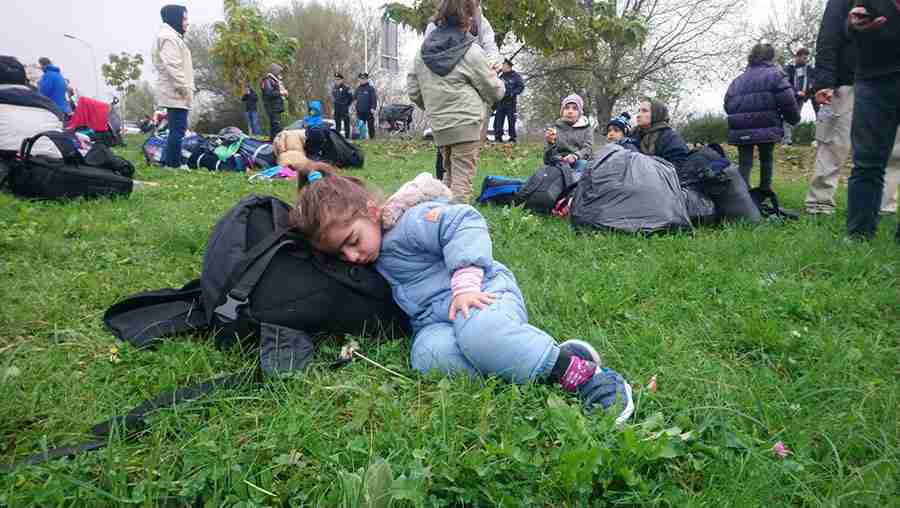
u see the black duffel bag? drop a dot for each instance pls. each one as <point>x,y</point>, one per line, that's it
<point>545,187</point>
<point>44,177</point>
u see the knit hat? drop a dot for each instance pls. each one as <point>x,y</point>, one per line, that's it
<point>173,15</point>
<point>275,69</point>
<point>621,122</point>
<point>12,72</point>
<point>573,99</point>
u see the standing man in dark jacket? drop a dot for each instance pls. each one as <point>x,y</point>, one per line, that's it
<point>506,108</point>
<point>759,102</point>
<point>366,102</point>
<point>342,97</point>
<point>274,92</point>
<point>250,100</point>
<point>801,76</point>
<point>875,29</point>
<point>835,68</point>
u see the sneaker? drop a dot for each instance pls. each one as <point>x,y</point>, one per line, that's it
<point>582,350</point>
<point>607,388</point>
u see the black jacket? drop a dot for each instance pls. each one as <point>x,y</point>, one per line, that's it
<point>835,52</point>
<point>514,87</point>
<point>791,71</point>
<point>366,98</point>
<point>878,51</point>
<point>342,97</point>
<point>271,93</point>
<point>250,99</point>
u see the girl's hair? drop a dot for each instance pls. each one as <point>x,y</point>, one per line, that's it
<point>761,53</point>
<point>457,13</point>
<point>329,200</point>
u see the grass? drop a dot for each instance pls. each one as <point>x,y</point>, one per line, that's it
<point>780,332</point>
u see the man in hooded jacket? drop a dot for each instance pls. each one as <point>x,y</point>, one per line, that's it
<point>53,85</point>
<point>175,84</point>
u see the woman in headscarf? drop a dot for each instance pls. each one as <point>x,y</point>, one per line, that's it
<point>175,84</point>
<point>273,94</point>
<point>655,136</point>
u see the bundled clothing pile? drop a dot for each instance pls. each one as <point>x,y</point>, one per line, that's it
<point>95,119</point>
<point>230,150</point>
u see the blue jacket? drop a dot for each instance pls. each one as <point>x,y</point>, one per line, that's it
<point>758,102</point>
<point>53,86</point>
<point>314,119</point>
<point>422,251</point>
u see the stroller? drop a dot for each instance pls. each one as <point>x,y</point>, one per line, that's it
<point>396,118</point>
<point>97,120</point>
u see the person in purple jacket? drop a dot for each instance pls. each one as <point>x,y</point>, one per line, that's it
<point>758,103</point>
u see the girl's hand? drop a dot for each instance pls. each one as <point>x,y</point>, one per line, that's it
<point>466,301</point>
<point>571,159</point>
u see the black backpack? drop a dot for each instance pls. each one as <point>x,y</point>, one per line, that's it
<point>262,289</point>
<point>327,145</point>
<point>41,177</point>
<point>100,156</point>
<point>545,187</point>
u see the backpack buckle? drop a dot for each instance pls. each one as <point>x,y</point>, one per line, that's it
<point>228,311</point>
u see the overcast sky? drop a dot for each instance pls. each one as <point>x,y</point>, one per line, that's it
<point>36,28</point>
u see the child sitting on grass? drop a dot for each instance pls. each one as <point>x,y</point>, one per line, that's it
<point>570,140</point>
<point>467,313</point>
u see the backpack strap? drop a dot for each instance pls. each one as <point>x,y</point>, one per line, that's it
<point>62,141</point>
<point>134,420</point>
<point>255,266</point>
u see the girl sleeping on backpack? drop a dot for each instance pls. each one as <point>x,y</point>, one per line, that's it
<point>467,313</point>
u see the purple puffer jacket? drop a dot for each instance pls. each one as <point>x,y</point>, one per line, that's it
<point>758,102</point>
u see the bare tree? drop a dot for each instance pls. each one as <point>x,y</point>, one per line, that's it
<point>792,25</point>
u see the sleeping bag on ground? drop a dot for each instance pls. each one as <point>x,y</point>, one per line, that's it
<point>627,191</point>
<point>545,187</point>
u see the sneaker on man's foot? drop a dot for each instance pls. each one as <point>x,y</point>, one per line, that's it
<point>607,388</point>
<point>582,350</point>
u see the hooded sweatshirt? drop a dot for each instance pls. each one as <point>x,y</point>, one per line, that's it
<point>53,86</point>
<point>451,80</point>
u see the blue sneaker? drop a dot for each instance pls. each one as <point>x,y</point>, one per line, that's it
<point>607,388</point>
<point>582,350</point>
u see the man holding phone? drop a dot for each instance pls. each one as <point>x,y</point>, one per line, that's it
<point>874,26</point>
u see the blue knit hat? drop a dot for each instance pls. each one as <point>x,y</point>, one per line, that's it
<point>621,122</point>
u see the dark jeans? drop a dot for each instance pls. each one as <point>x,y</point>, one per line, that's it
<point>504,114</point>
<point>876,117</point>
<point>178,119</point>
<point>766,160</point>
<point>274,123</point>
<point>342,118</point>
<point>369,118</point>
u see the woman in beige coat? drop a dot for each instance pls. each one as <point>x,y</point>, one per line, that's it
<point>175,86</point>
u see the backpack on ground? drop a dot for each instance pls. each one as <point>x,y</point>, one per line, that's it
<point>499,190</point>
<point>327,145</point>
<point>43,177</point>
<point>262,290</point>
<point>767,202</point>
<point>102,157</point>
<point>545,187</point>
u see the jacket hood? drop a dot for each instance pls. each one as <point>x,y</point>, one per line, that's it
<point>315,108</point>
<point>423,188</point>
<point>51,68</point>
<point>173,15</point>
<point>444,48</point>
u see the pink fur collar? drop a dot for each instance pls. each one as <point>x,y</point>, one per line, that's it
<point>423,188</point>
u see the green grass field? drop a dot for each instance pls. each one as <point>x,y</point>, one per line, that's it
<point>780,332</point>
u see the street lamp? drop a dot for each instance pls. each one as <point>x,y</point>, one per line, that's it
<point>93,57</point>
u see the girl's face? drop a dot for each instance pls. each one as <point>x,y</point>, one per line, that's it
<point>614,134</point>
<point>356,241</point>
<point>184,22</point>
<point>570,113</point>
<point>644,117</point>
